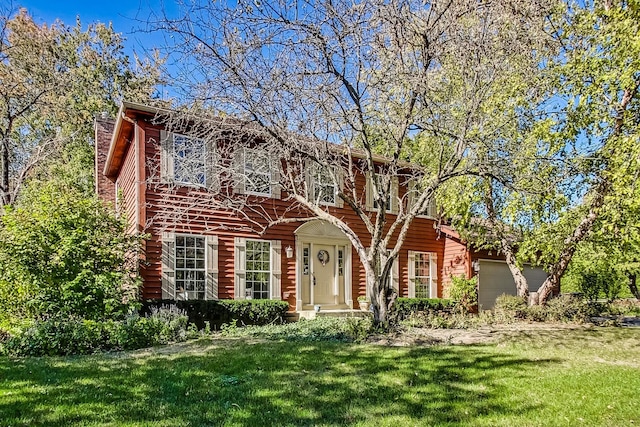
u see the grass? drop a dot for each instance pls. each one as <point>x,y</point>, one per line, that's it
<point>585,377</point>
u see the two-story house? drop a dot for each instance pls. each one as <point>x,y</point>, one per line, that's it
<point>221,226</point>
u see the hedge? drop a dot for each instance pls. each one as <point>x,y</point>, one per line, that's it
<point>219,312</point>
<point>406,306</point>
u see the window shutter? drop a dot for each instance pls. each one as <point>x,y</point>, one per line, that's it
<point>212,267</point>
<point>309,169</point>
<point>411,268</point>
<point>238,170</point>
<point>433,267</point>
<point>369,191</point>
<point>395,275</point>
<point>211,171</point>
<point>166,156</point>
<point>168,262</point>
<point>340,178</point>
<point>276,269</point>
<point>394,195</point>
<point>240,262</point>
<point>411,193</point>
<point>275,177</point>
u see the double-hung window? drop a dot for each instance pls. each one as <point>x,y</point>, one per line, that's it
<point>258,269</point>
<point>423,272</point>
<point>422,275</point>
<point>390,202</point>
<point>190,268</point>
<point>324,187</point>
<point>189,155</point>
<point>257,172</point>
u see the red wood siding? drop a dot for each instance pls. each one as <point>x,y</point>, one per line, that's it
<point>456,261</point>
<point>190,213</point>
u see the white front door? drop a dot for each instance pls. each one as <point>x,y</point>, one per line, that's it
<point>323,275</point>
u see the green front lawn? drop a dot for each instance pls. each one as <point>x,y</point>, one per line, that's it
<point>565,378</point>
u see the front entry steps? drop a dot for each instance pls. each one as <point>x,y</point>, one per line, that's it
<point>345,312</point>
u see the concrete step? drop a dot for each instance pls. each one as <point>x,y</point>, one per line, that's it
<point>312,314</point>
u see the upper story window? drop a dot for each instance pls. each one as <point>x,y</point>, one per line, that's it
<point>189,155</point>
<point>257,172</point>
<point>391,202</point>
<point>414,193</point>
<point>324,187</point>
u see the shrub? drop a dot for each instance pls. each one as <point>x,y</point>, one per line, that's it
<point>73,335</point>
<point>219,312</point>
<point>404,307</point>
<point>62,253</point>
<point>568,308</point>
<point>352,329</point>
<point>509,307</point>
<point>464,292</point>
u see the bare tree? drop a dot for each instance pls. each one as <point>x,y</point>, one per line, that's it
<point>346,89</point>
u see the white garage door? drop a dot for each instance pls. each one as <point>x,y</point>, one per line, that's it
<point>495,279</point>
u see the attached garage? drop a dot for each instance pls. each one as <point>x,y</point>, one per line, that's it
<point>495,279</point>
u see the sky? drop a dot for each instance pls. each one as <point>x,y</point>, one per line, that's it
<point>125,16</point>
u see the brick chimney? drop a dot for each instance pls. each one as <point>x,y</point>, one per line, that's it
<point>105,188</point>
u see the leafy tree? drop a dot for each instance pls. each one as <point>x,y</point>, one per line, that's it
<point>54,80</point>
<point>587,130</point>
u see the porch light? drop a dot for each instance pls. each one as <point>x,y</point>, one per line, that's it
<point>476,265</point>
<point>289,251</point>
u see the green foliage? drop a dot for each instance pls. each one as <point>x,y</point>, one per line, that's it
<point>64,254</point>
<point>568,308</point>
<point>594,272</point>
<point>404,307</point>
<point>74,335</point>
<point>464,292</point>
<point>215,313</point>
<point>56,78</point>
<point>510,307</point>
<point>351,329</point>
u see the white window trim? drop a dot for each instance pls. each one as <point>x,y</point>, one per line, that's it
<point>240,177</point>
<point>174,156</point>
<point>168,265</point>
<point>433,272</point>
<point>411,198</point>
<point>240,263</point>
<point>247,154</point>
<point>168,158</point>
<point>391,208</point>
<point>312,173</point>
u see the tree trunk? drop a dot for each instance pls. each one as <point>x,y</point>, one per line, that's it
<point>633,285</point>
<point>5,193</point>
<point>552,283</point>
<point>522,286</point>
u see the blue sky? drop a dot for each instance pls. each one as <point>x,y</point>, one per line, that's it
<point>123,14</point>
